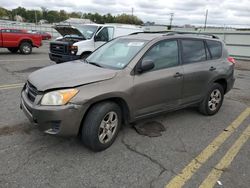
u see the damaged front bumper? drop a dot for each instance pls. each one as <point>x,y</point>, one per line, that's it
<point>62,120</point>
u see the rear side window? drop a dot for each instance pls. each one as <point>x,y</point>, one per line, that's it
<point>193,51</point>
<point>215,48</point>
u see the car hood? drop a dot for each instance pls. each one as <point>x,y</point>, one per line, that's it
<point>68,30</point>
<point>70,74</point>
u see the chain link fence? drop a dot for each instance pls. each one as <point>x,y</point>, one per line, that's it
<point>30,26</point>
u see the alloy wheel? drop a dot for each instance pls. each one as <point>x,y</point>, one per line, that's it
<point>214,99</point>
<point>108,127</point>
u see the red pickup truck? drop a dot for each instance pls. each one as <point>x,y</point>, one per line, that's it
<point>19,39</point>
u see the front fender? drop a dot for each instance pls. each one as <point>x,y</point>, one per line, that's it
<point>85,46</point>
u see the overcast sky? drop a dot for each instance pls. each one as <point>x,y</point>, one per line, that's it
<point>220,12</point>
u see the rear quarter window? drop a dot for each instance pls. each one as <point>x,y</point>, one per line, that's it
<point>215,48</point>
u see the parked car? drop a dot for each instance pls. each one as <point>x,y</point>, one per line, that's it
<point>128,79</point>
<point>78,42</point>
<point>45,35</point>
<point>19,39</point>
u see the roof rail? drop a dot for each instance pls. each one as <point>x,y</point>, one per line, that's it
<point>178,32</point>
<point>149,32</point>
<point>194,33</point>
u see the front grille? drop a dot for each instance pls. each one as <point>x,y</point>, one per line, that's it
<point>58,48</point>
<point>31,91</point>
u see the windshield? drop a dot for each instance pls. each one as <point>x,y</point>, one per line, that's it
<point>87,30</point>
<point>116,53</point>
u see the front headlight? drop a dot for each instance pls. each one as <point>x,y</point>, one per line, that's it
<point>59,97</point>
<point>73,49</point>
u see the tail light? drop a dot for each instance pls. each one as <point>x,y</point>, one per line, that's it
<point>231,60</point>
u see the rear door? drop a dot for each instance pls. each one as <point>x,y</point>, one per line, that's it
<point>199,68</point>
<point>160,88</point>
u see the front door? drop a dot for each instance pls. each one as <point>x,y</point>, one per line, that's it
<point>160,88</point>
<point>103,36</point>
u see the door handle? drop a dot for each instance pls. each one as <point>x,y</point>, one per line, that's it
<point>178,75</point>
<point>212,68</point>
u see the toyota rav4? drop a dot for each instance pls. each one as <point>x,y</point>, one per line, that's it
<point>127,79</point>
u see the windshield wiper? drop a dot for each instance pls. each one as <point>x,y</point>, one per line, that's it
<point>96,64</point>
<point>93,63</point>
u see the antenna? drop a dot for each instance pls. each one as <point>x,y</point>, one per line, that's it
<point>35,17</point>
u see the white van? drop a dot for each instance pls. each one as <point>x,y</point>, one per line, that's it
<point>78,41</point>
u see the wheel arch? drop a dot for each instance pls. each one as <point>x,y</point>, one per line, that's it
<point>222,82</point>
<point>119,101</point>
<point>25,40</point>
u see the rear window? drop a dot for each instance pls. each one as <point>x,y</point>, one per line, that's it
<point>215,48</point>
<point>193,51</point>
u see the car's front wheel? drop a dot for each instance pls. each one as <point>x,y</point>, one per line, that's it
<point>101,126</point>
<point>213,100</point>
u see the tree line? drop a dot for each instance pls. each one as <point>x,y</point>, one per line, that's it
<point>53,16</point>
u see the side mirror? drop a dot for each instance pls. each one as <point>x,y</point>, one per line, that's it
<point>145,66</point>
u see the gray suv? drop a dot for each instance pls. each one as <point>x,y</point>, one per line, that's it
<point>129,78</point>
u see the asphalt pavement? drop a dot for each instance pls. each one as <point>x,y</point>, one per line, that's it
<point>194,151</point>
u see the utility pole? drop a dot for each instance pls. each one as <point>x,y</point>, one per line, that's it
<point>171,20</point>
<point>36,17</point>
<point>132,11</point>
<point>205,24</point>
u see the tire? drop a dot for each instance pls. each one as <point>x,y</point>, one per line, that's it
<point>101,126</point>
<point>25,48</point>
<point>58,62</point>
<point>13,50</point>
<point>213,100</point>
<point>84,55</point>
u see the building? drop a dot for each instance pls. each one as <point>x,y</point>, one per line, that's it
<point>77,21</point>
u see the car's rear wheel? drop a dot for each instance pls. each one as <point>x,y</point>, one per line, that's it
<point>13,50</point>
<point>101,126</point>
<point>25,48</point>
<point>213,100</point>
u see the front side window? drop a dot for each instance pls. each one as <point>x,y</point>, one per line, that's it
<point>215,48</point>
<point>164,54</point>
<point>116,54</point>
<point>103,35</point>
<point>193,51</point>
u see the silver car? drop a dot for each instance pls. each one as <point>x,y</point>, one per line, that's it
<point>127,79</point>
